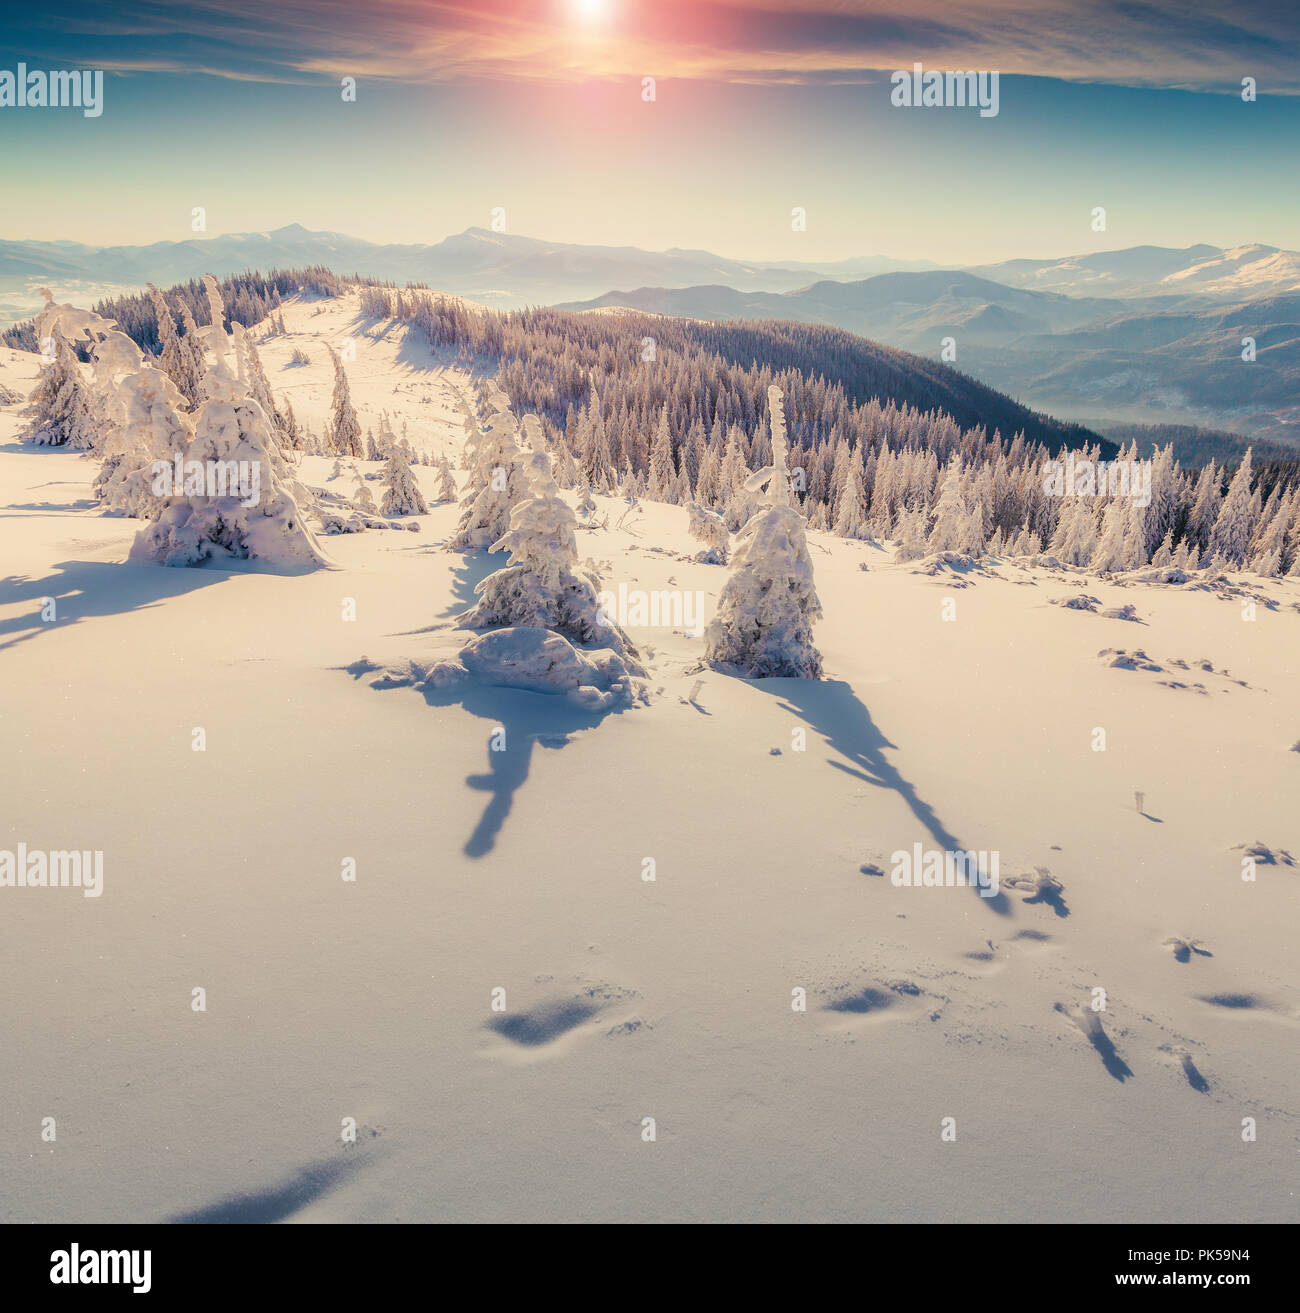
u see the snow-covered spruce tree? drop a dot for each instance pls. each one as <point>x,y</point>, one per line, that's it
<point>254,378</point>
<point>136,477</point>
<point>496,481</point>
<point>950,531</point>
<point>710,528</point>
<point>114,358</point>
<point>1109,555</point>
<point>910,532</point>
<point>769,603</point>
<point>1268,552</point>
<point>1206,503</point>
<point>261,518</point>
<point>446,481</point>
<point>1135,536</point>
<point>565,467</point>
<point>542,586</point>
<point>1075,540</point>
<point>1232,529</point>
<point>402,495</point>
<point>139,414</point>
<point>851,512</point>
<point>1027,542</point>
<point>595,465</point>
<point>292,433</point>
<point>196,366</point>
<point>663,474</point>
<point>61,409</point>
<point>175,357</point>
<point>343,428</point>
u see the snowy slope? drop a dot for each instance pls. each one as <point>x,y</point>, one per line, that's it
<point>522,870</point>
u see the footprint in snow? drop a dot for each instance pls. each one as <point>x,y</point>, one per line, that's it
<point>1089,1023</point>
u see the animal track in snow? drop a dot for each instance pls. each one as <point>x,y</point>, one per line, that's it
<point>1040,887</point>
<point>1089,1023</point>
<point>543,1023</point>
<point>892,999</point>
<point>1184,948</point>
<point>1025,942</point>
<point>1176,1053</point>
<point>1265,855</point>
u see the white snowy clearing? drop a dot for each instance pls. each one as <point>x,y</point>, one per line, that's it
<point>771,810</point>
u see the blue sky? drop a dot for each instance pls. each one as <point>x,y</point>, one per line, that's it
<point>538,108</point>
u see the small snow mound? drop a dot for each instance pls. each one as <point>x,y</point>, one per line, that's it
<point>1126,612</point>
<point>1168,574</point>
<point>1122,659</point>
<point>540,661</point>
<point>1265,855</point>
<point>938,562</point>
<point>1079,602</point>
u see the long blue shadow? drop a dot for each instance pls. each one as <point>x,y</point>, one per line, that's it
<point>833,710</point>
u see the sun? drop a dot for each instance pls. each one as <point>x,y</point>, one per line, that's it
<point>590,12</point>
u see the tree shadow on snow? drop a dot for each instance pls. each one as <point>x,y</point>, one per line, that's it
<point>527,720</point>
<point>85,589</point>
<point>833,710</point>
<point>474,567</point>
<point>261,1207</point>
<point>52,507</point>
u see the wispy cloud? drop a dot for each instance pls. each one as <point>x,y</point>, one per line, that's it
<point>1202,45</point>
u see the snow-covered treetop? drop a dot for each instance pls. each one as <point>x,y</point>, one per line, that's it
<point>772,482</point>
<point>114,353</point>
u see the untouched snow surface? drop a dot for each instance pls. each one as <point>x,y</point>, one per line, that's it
<point>770,811</point>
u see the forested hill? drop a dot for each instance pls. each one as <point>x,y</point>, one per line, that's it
<point>569,345</point>
<point>866,370</point>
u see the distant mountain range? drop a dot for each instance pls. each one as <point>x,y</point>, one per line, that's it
<point>1146,335</point>
<point>1143,271</point>
<point>497,268</point>
<point>1171,358</point>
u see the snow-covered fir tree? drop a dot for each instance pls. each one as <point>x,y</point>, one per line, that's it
<point>910,535</point>
<point>446,490</point>
<point>950,531</point>
<point>542,586</point>
<point>208,517</point>
<point>344,428</point>
<point>61,410</point>
<point>767,607</point>
<point>595,465</point>
<point>709,528</point>
<point>851,510</point>
<point>496,481</point>
<point>174,355</point>
<point>662,484</point>
<point>156,430</point>
<point>1230,537</point>
<point>402,495</point>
